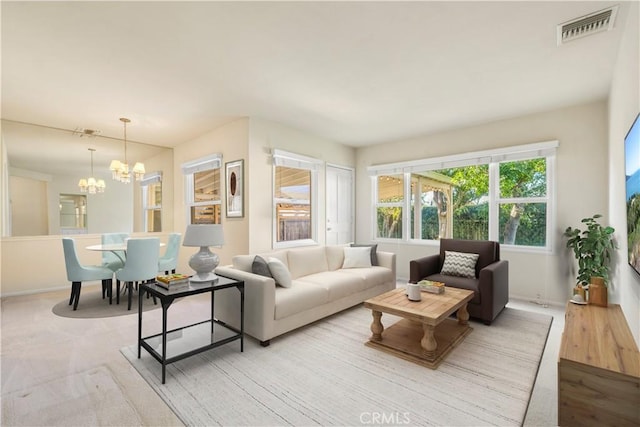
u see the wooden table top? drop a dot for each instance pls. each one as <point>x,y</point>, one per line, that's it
<point>432,309</point>
<point>600,337</point>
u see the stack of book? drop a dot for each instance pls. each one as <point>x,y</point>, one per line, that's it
<point>430,286</point>
<point>173,281</point>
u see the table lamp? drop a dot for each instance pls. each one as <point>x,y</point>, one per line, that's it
<point>204,261</point>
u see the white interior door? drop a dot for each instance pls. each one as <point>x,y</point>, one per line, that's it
<point>339,196</point>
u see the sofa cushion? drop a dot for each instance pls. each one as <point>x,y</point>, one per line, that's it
<point>260,266</point>
<point>372,276</point>
<point>335,256</point>
<point>374,252</point>
<point>461,283</point>
<point>243,262</point>
<point>357,258</point>
<point>279,272</point>
<point>337,283</point>
<point>305,261</point>
<point>459,264</point>
<point>299,297</point>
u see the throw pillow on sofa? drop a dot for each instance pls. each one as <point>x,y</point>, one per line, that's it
<point>279,272</point>
<point>374,255</point>
<point>459,264</point>
<point>260,266</point>
<point>359,257</point>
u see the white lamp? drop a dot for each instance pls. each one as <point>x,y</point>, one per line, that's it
<point>204,261</point>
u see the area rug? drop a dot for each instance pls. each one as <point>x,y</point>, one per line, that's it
<point>323,374</point>
<point>91,305</point>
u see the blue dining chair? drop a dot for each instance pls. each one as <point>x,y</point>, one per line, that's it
<point>78,273</point>
<point>109,259</point>
<point>141,264</point>
<point>169,261</point>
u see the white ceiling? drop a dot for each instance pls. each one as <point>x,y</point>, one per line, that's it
<point>355,72</point>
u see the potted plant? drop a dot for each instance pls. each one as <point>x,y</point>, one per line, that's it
<point>592,248</point>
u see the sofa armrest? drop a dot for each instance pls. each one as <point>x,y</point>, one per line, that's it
<point>259,303</point>
<point>423,267</point>
<point>494,284</point>
<point>388,260</point>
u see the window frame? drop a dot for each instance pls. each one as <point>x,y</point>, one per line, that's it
<point>189,169</point>
<point>493,158</point>
<point>401,204</point>
<point>148,180</point>
<point>295,161</point>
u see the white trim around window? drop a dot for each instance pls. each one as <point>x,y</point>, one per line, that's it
<point>283,158</point>
<point>493,158</point>
<point>189,169</point>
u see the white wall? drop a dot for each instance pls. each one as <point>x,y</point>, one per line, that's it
<point>581,187</point>
<point>624,105</point>
<point>266,136</point>
<point>230,140</point>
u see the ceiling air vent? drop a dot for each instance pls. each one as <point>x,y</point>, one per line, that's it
<point>596,22</point>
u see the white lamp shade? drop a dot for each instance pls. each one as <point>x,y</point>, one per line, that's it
<point>138,168</point>
<point>115,165</point>
<point>203,235</point>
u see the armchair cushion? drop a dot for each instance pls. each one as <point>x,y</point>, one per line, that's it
<point>459,264</point>
<point>490,283</point>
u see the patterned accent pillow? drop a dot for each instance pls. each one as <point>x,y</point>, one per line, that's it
<point>459,264</point>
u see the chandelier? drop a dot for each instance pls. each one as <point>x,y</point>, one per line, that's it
<point>120,170</point>
<point>91,185</point>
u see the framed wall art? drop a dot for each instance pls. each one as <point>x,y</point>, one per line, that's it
<point>234,173</point>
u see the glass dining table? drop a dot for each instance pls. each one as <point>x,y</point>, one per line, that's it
<point>116,248</point>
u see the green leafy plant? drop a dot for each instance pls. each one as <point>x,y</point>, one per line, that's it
<point>592,248</point>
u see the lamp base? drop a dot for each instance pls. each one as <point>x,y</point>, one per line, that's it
<point>203,262</point>
<point>207,277</point>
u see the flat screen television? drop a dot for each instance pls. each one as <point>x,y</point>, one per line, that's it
<point>632,185</point>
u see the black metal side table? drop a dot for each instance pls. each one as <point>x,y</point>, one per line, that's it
<point>177,344</point>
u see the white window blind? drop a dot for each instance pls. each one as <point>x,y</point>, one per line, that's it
<point>518,152</point>
<point>213,161</point>
<point>291,160</point>
<point>151,178</point>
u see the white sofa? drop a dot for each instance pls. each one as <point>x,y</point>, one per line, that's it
<point>319,288</point>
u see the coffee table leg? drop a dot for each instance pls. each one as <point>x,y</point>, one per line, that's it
<point>463,315</point>
<point>428,341</point>
<point>376,326</point>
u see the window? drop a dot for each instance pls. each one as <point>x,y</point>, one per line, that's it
<point>202,180</point>
<point>389,204</point>
<point>503,195</point>
<point>151,186</point>
<point>294,199</point>
<point>522,202</point>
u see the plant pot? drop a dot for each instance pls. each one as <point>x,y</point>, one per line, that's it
<point>579,290</point>
<point>598,292</point>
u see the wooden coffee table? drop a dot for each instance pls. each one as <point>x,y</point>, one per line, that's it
<point>426,334</point>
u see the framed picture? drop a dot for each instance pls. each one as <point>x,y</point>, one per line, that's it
<point>234,173</point>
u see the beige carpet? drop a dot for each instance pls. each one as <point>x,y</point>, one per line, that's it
<point>323,374</point>
<point>74,400</point>
<point>91,305</point>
